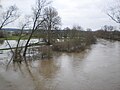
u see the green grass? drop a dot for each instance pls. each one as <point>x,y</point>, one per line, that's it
<point>10,38</point>
<point>15,38</point>
<point>2,38</point>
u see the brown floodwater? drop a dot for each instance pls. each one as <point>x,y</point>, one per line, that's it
<point>96,68</point>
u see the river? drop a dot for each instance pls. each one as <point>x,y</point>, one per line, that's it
<point>96,68</point>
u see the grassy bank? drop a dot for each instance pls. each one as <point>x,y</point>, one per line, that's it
<point>16,38</point>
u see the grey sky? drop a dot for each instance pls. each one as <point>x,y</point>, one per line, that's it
<point>86,13</point>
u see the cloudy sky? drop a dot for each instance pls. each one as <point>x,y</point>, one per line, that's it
<point>86,13</point>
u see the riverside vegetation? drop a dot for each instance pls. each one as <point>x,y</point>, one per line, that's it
<point>44,23</point>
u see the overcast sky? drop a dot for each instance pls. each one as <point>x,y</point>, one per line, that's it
<point>86,13</point>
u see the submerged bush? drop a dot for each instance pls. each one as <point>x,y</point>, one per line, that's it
<point>75,44</point>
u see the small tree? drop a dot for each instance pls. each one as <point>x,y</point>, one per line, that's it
<point>108,28</point>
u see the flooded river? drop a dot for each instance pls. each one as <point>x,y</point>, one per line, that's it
<point>13,43</point>
<point>97,68</point>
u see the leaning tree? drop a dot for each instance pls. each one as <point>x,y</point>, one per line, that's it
<point>37,20</point>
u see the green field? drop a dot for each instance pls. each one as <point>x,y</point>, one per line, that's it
<point>15,38</point>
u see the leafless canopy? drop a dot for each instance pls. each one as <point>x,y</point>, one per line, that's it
<point>52,20</point>
<point>37,13</point>
<point>37,19</point>
<point>114,11</point>
<point>9,16</point>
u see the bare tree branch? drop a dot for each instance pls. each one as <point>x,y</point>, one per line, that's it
<point>9,16</point>
<point>114,12</point>
<point>51,21</point>
<point>112,17</point>
<point>37,19</point>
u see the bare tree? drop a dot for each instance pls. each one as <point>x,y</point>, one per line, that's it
<point>37,19</point>
<point>114,11</point>
<point>8,16</point>
<point>52,21</point>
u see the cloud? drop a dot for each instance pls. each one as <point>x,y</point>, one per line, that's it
<point>87,13</point>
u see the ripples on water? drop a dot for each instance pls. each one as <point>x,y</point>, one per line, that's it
<point>97,68</point>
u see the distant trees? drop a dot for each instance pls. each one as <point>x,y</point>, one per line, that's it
<point>89,29</point>
<point>108,28</point>
<point>77,27</point>
<point>108,32</point>
<point>66,28</point>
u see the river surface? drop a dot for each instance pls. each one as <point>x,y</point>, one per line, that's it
<point>13,43</point>
<point>96,68</point>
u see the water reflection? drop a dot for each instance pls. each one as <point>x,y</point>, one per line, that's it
<point>1,42</point>
<point>38,73</point>
<point>93,69</point>
<point>48,68</point>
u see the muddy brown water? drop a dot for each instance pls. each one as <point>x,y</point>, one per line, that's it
<point>97,68</point>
